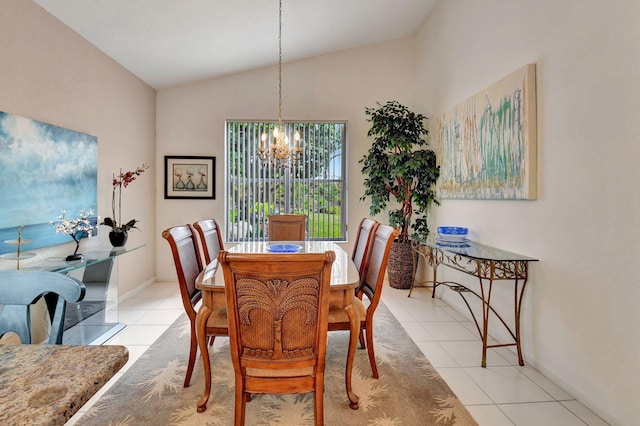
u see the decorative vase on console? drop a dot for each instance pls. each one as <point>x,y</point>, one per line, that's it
<point>118,239</point>
<point>119,231</point>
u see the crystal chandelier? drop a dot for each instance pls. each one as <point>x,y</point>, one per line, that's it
<point>278,153</point>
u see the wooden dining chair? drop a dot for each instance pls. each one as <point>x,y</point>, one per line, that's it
<point>21,289</point>
<point>186,258</point>
<point>278,307</point>
<point>364,241</point>
<point>287,227</point>
<point>210,238</point>
<point>371,286</point>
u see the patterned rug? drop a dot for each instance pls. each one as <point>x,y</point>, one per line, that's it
<point>409,391</point>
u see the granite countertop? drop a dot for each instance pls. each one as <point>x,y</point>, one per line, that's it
<point>47,384</point>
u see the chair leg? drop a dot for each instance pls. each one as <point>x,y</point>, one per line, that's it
<point>372,356</point>
<point>318,402</point>
<point>193,349</point>
<point>362,345</point>
<point>240,405</point>
<point>211,340</point>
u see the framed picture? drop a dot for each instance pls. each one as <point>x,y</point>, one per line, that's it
<point>189,177</point>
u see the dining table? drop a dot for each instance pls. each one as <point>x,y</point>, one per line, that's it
<point>48,384</point>
<point>344,281</point>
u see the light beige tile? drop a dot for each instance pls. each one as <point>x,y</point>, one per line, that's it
<point>436,354</point>
<point>507,385</point>
<point>417,332</point>
<point>159,317</point>
<point>489,415</point>
<point>448,331</point>
<point>135,351</point>
<point>131,316</point>
<point>467,391</point>
<point>468,353</point>
<point>138,335</point>
<point>551,388</point>
<point>170,303</point>
<point>430,313</point>
<point>540,413</point>
<point>137,303</point>
<point>588,416</point>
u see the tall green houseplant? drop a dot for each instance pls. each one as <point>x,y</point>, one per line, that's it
<point>399,165</point>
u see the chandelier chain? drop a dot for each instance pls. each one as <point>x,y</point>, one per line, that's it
<point>280,65</point>
<point>279,154</point>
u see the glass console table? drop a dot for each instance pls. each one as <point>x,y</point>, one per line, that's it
<point>488,264</point>
<point>94,319</point>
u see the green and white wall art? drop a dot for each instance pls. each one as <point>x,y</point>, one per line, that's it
<point>486,145</point>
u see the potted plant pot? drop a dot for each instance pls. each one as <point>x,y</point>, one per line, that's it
<point>118,239</point>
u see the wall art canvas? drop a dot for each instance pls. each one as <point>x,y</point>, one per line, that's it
<point>189,177</point>
<point>486,146</point>
<point>44,169</point>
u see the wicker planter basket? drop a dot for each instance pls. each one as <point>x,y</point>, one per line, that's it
<point>400,266</point>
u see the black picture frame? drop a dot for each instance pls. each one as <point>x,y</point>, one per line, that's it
<point>189,177</point>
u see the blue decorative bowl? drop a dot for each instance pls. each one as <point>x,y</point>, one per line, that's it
<point>284,248</point>
<point>452,233</point>
<point>452,230</point>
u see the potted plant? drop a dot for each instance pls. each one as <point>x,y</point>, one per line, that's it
<point>400,166</point>
<point>119,230</point>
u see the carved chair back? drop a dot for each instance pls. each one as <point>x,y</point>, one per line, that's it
<point>278,307</point>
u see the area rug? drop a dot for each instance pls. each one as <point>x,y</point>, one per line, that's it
<point>409,391</point>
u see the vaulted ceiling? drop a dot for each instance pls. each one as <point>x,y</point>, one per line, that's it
<point>167,43</point>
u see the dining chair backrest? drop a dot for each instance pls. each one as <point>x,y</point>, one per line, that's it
<point>362,247</point>
<point>210,238</point>
<point>287,227</point>
<point>186,258</point>
<point>278,318</point>
<point>374,278</point>
<point>20,289</point>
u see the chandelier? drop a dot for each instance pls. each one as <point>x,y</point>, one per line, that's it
<point>277,152</point>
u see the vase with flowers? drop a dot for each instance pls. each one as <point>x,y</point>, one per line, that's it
<point>77,228</point>
<point>119,230</point>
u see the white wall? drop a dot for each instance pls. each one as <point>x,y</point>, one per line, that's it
<point>51,74</point>
<point>339,86</point>
<point>581,315</point>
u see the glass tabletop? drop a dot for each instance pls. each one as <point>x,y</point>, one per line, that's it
<point>59,264</point>
<point>343,271</point>
<point>476,250</point>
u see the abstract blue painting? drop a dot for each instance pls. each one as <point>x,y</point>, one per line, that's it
<point>44,169</point>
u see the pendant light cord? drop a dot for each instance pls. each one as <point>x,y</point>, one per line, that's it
<point>280,65</point>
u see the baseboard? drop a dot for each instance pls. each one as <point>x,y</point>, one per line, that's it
<point>138,289</point>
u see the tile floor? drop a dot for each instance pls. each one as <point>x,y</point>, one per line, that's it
<point>501,394</point>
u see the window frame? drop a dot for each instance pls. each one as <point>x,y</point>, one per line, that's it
<point>261,206</point>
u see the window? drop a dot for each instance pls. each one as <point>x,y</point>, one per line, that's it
<point>314,186</point>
